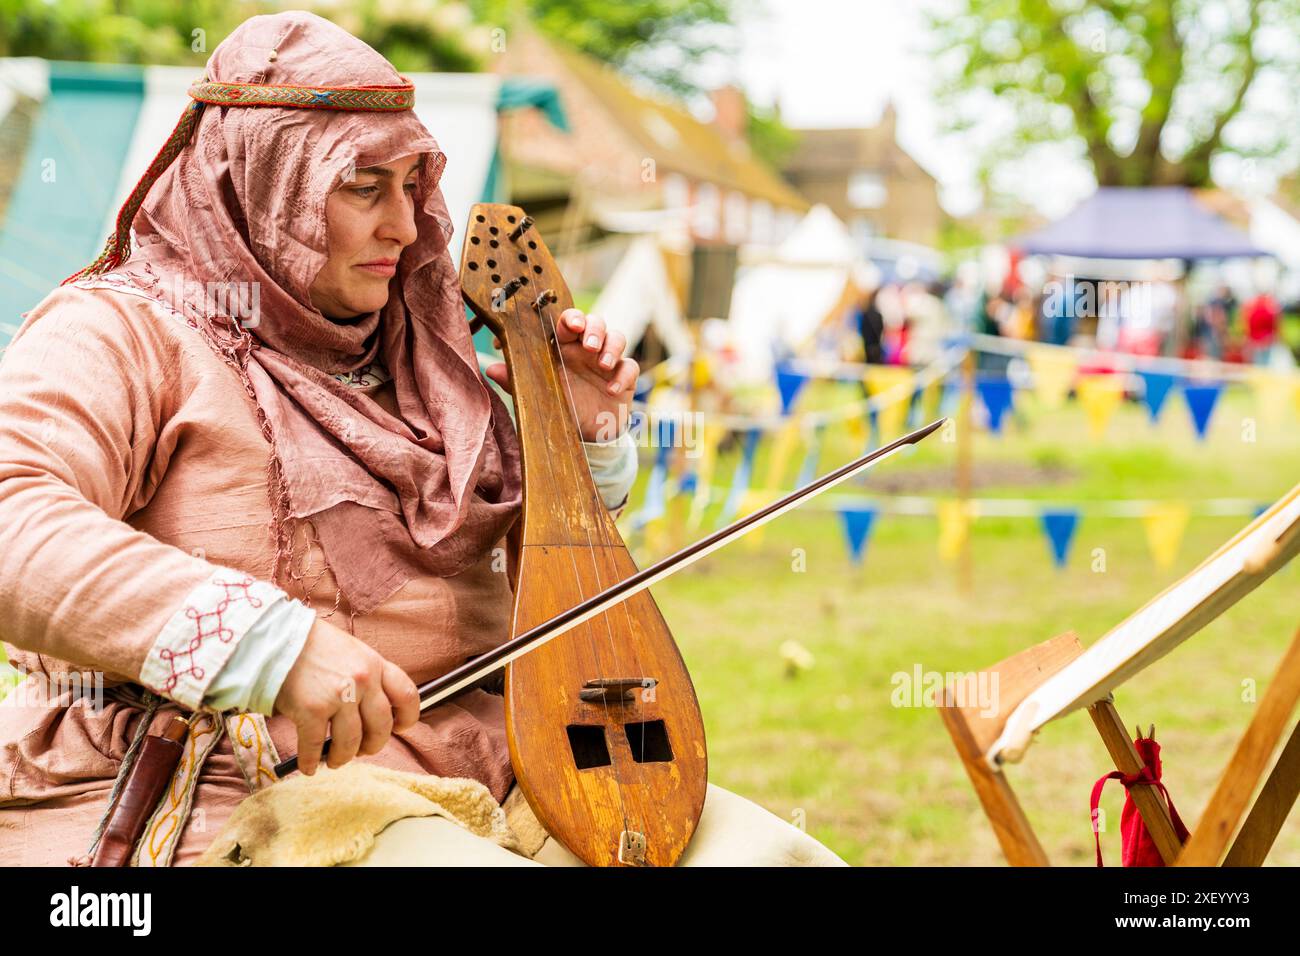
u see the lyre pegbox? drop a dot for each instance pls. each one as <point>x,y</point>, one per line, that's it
<point>505,271</point>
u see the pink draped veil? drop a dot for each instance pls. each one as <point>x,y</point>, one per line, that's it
<point>240,216</point>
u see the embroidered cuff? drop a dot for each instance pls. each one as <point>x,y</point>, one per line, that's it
<point>198,640</point>
<point>613,467</point>
<point>252,677</point>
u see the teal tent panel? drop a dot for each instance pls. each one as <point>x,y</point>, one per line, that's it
<point>55,220</point>
<point>516,93</point>
<point>520,91</point>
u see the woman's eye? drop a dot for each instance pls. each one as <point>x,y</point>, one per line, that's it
<point>410,187</point>
<point>365,192</point>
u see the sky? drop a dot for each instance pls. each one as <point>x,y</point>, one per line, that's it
<point>837,62</point>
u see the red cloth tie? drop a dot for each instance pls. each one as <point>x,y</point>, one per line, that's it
<point>1137,847</point>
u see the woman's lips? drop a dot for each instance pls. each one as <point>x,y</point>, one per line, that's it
<point>380,268</point>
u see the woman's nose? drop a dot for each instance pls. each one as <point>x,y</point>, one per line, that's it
<point>399,221</point>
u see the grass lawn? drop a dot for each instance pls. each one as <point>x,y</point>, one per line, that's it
<point>880,784</point>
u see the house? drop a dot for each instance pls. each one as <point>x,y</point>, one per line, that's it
<point>869,181</point>
<point>628,150</point>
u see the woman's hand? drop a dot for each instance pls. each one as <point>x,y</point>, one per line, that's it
<point>600,377</point>
<point>342,688</point>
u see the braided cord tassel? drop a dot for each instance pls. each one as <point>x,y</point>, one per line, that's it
<point>118,247</point>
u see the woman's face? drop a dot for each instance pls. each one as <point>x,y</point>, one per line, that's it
<point>369,221</point>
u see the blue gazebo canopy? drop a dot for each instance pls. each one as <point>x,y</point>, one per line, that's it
<point>1149,222</point>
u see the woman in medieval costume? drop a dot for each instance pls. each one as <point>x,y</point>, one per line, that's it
<point>193,493</point>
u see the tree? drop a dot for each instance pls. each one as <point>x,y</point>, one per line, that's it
<point>659,41</point>
<point>1153,89</point>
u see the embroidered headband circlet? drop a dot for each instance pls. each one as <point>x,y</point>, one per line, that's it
<point>203,92</point>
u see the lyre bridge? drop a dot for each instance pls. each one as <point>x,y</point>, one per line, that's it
<point>616,690</point>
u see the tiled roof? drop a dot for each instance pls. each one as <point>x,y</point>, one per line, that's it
<point>676,139</point>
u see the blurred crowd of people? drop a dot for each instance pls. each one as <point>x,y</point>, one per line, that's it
<point>907,323</point>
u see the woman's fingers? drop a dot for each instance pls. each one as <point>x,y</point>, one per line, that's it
<point>403,697</point>
<point>376,721</point>
<point>571,325</point>
<point>593,337</point>
<point>345,735</point>
<point>624,377</point>
<point>311,738</point>
<point>615,342</point>
<point>499,373</point>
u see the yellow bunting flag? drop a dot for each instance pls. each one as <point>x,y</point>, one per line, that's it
<point>754,499</point>
<point>701,371</point>
<point>1053,374</point>
<point>1165,524</point>
<point>893,385</point>
<point>931,399</point>
<point>955,517</point>
<point>1100,396</point>
<point>709,440</point>
<point>1273,393</point>
<point>656,537</point>
<point>857,427</point>
<point>783,446</point>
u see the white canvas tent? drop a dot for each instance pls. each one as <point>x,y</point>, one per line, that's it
<point>639,296</point>
<point>779,303</point>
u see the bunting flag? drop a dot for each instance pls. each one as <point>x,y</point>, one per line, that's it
<point>783,446</point>
<point>1274,393</point>
<point>751,501</point>
<point>1201,400</point>
<point>741,478</point>
<point>657,539</point>
<point>995,394</point>
<point>955,517</point>
<point>655,497</point>
<point>1165,524</point>
<point>808,471</point>
<point>1053,374</point>
<point>789,383</point>
<point>1060,525</point>
<point>857,524</point>
<point>665,434</point>
<point>857,428</point>
<point>1100,396</point>
<point>644,386</point>
<point>709,441</point>
<point>1156,386</point>
<point>950,399</point>
<point>928,406</point>
<point>897,383</point>
<point>701,371</point>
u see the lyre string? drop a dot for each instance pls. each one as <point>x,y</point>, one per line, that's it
<point>560,370</point>
<point>588,627</point>
<point>597,504</point>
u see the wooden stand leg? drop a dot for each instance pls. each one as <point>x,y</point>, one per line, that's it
<point>974,726</point>
<point>1210,839</point>
<point>1271,809</point>
<point>1150,804</point>
<point>1019,843</point>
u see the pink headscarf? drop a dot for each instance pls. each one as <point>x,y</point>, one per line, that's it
<point>244,202</point>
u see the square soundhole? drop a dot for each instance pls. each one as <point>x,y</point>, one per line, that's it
<point>588,745</point>
<point>648,741</point>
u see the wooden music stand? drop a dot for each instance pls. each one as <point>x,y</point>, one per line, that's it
<point>1058,676</point>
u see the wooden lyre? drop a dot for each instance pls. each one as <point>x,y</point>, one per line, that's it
<point>604,728</point>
